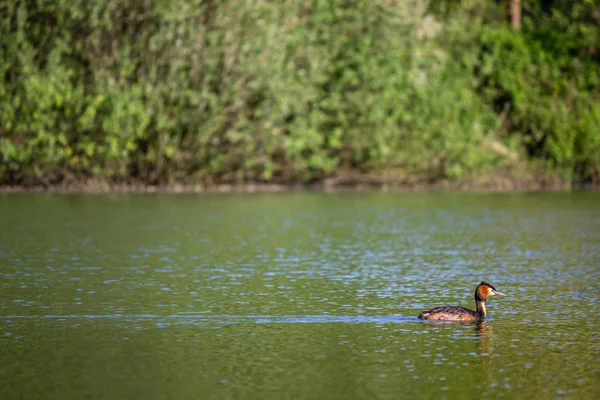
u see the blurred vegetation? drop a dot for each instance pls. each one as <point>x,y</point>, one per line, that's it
<point>207,91</point>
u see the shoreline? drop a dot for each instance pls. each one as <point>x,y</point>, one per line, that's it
<point>334,185</point>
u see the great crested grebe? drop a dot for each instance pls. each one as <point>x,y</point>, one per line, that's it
<point>457,313</point>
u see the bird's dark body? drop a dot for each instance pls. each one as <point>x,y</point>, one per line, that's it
<point>451,313</point>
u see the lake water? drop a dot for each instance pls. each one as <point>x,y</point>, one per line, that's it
<point>298,296</point>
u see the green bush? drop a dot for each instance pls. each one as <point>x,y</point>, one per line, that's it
<point>291,91</point>
<point>548,79</point>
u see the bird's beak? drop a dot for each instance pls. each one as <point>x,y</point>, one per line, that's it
<point>498,293</point>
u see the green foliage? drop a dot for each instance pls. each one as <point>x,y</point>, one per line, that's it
<point>231,91</point>
<point>548,78</point>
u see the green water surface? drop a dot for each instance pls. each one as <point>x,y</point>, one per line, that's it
<point>298,296</point>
